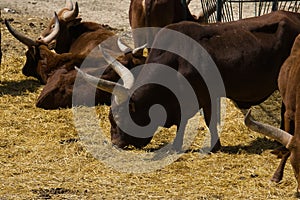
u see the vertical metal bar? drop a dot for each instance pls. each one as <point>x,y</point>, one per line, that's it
<point>275,5</point>
<point>296,6</point>
<point>259,8</point>
<point>183,2</point>
<point>240,9</point>
<point>219,10</point>
<point>231,9</point>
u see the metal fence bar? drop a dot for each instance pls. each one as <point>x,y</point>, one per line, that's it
<point>225,12</point>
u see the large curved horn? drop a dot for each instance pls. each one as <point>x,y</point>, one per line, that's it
<point>54,32</point>
<point>122,71</point>
<point>72,14</point>
<point>118,90</point>
<point>270,131</point>
<point>19,36</point>
<point>124,48</point>
<point>69,5</point>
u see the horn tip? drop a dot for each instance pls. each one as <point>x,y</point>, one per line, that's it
<point>248,117</point>
<point>6,21</point>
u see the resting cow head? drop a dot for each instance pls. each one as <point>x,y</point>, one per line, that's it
<point>58,91</point>
<point>33,52</point>
<point>67,18</point>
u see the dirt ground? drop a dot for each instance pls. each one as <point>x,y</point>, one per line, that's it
<point>42,156</point>
<point>112,12</point>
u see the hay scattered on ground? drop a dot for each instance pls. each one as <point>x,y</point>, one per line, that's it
<point>43,157</point>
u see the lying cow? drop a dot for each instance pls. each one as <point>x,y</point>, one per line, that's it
<point>42,64</point>
<point>288,82</point>
<point>248,54</point>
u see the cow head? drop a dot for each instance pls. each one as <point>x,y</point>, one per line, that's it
<point>67,17</point>
<point>33,54</point>
<point>119,109</point>
<point>58,91</point>
<point>289,141</point>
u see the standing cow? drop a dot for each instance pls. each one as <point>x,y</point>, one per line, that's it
<point>248,54</point>
<point>155,13</point>
<point>288,83</point>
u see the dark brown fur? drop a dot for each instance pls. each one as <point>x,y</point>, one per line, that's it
<point>157,13</point>
<point>248,53</point>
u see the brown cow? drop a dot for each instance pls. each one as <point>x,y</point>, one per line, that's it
<point>158,13</point>
<point>288,83</point>
<point>85,37</point>
<point>68,17</point>
<point>248,54</point>
<point>41,63</point>
<point>63,30</point>
<point>58,92</point>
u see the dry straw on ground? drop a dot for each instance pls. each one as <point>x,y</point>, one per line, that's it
<point>42,156</point>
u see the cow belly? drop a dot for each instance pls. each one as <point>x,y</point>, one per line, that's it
<point>246,95</point>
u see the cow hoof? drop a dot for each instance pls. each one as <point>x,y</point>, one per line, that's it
<point>276,179</point>
<point>216,147</point>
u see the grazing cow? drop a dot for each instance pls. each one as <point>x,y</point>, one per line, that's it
<point>42,64</point>
<point>288,83</point>
<point>159,13</point>
<point>248,54</point>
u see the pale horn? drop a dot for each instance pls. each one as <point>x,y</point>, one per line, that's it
<point>270,131</point>
<point>54,32</point>
<point>69,5</point>
<point>122,71</point>
<point>72,14</point>
<point>124,48</point>
<point>120,92</point>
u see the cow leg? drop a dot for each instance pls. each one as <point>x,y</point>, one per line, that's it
<point>278,175</point>
<point>212,124</point>
<point>282,127</point>
<point>282,152</point>
<point>178,141</point>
